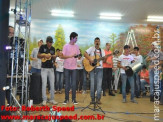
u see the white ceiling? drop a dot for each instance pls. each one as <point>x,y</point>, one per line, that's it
<point>133,11</point>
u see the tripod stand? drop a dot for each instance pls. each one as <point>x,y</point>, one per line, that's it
<point>94,102</point>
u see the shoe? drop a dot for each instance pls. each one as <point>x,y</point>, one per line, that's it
<point>144,94</point>
<point>115,91</point>
<point>44,103</point>
<point>74,102</point>
<point>92,101</point>
<point>65,102</point>
<point>98,101</point>
<point>53,102</point>
<point>60,92</point>
<point>134,101</point>
<point>124,101</point>
<point>84,92</point>
<point>151,98</point>
<point>104,94</point>
<point>55,92</point>
<point>111,94</point>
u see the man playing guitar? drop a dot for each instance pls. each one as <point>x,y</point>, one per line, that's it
<point>96,74</point>
<point>47,52</point>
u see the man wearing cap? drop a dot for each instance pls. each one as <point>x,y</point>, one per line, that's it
<point>47,52</point>
<point>36,62</point>
<point>152,57</point>
<point>125,60</point>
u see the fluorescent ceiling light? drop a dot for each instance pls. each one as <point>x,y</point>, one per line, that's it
<point>105,17</point>
<point>62,12</point>
<point>62,15</point>
<point>155,18</point>
<point>111,14</point>
<point>115,16</point>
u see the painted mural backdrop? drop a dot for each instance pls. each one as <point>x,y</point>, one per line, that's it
<point>115,33</point>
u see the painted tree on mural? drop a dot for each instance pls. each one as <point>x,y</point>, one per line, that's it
<point>121,42</point>
<point>59,38</point>
<point>113,39</point>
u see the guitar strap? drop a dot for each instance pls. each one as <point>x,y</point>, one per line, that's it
<point>100,52</point>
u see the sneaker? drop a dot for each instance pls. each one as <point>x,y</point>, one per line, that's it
<point>75,102</point>
<point>111,94</point>
<point>65,102</point>
<point>60,92</point>
<point>134,101</point>
<point>84,92</point>
<point>53,102</point>
<point>124,101</point>
<point>98,101</point>
<point>44,103</point>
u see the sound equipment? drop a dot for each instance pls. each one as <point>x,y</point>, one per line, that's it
<point>35,91</point>
<point>88,66</point>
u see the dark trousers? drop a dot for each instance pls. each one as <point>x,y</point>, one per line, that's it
<point>107,79</point>
<point>70,74</point>
<point>8,92</point>
<point>79,83</point>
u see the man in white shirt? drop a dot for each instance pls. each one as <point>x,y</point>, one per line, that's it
<point>96,75</point>
<point>36,62</point>
<point>126,60</point>
<point>138,59</point>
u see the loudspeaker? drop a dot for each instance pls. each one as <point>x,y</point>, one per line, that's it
<point>35,91</point>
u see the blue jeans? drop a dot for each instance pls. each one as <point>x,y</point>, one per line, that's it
<point>59,80</point>
<point>131,81</point>
<point>96,82</point>
<point>137,84</point>
<point>84,80</point>
<point>143,83</point>
<point>34,70</point>
<point>70,74</point>
<point>151,79</point>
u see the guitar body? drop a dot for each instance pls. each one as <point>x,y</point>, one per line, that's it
<point>88,67</point>
<point>45,59</point>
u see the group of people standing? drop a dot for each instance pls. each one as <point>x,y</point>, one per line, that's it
<point>69,66</point>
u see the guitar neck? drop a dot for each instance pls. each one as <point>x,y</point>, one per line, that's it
<point>102,58</point>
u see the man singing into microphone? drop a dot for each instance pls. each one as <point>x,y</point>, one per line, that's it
<point>96,75</point>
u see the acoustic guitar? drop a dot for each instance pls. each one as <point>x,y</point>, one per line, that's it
<point>46,59</point>
<point>88,66</point>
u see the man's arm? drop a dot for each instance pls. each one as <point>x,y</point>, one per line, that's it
<point>120,66</point>
<point>88,57</point>
<point>40,56</point>
<point>66,57</point>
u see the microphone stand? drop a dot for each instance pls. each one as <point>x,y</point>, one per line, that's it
<point>96,107</point>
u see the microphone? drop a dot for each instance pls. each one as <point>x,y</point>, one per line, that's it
<point>6,88</point>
